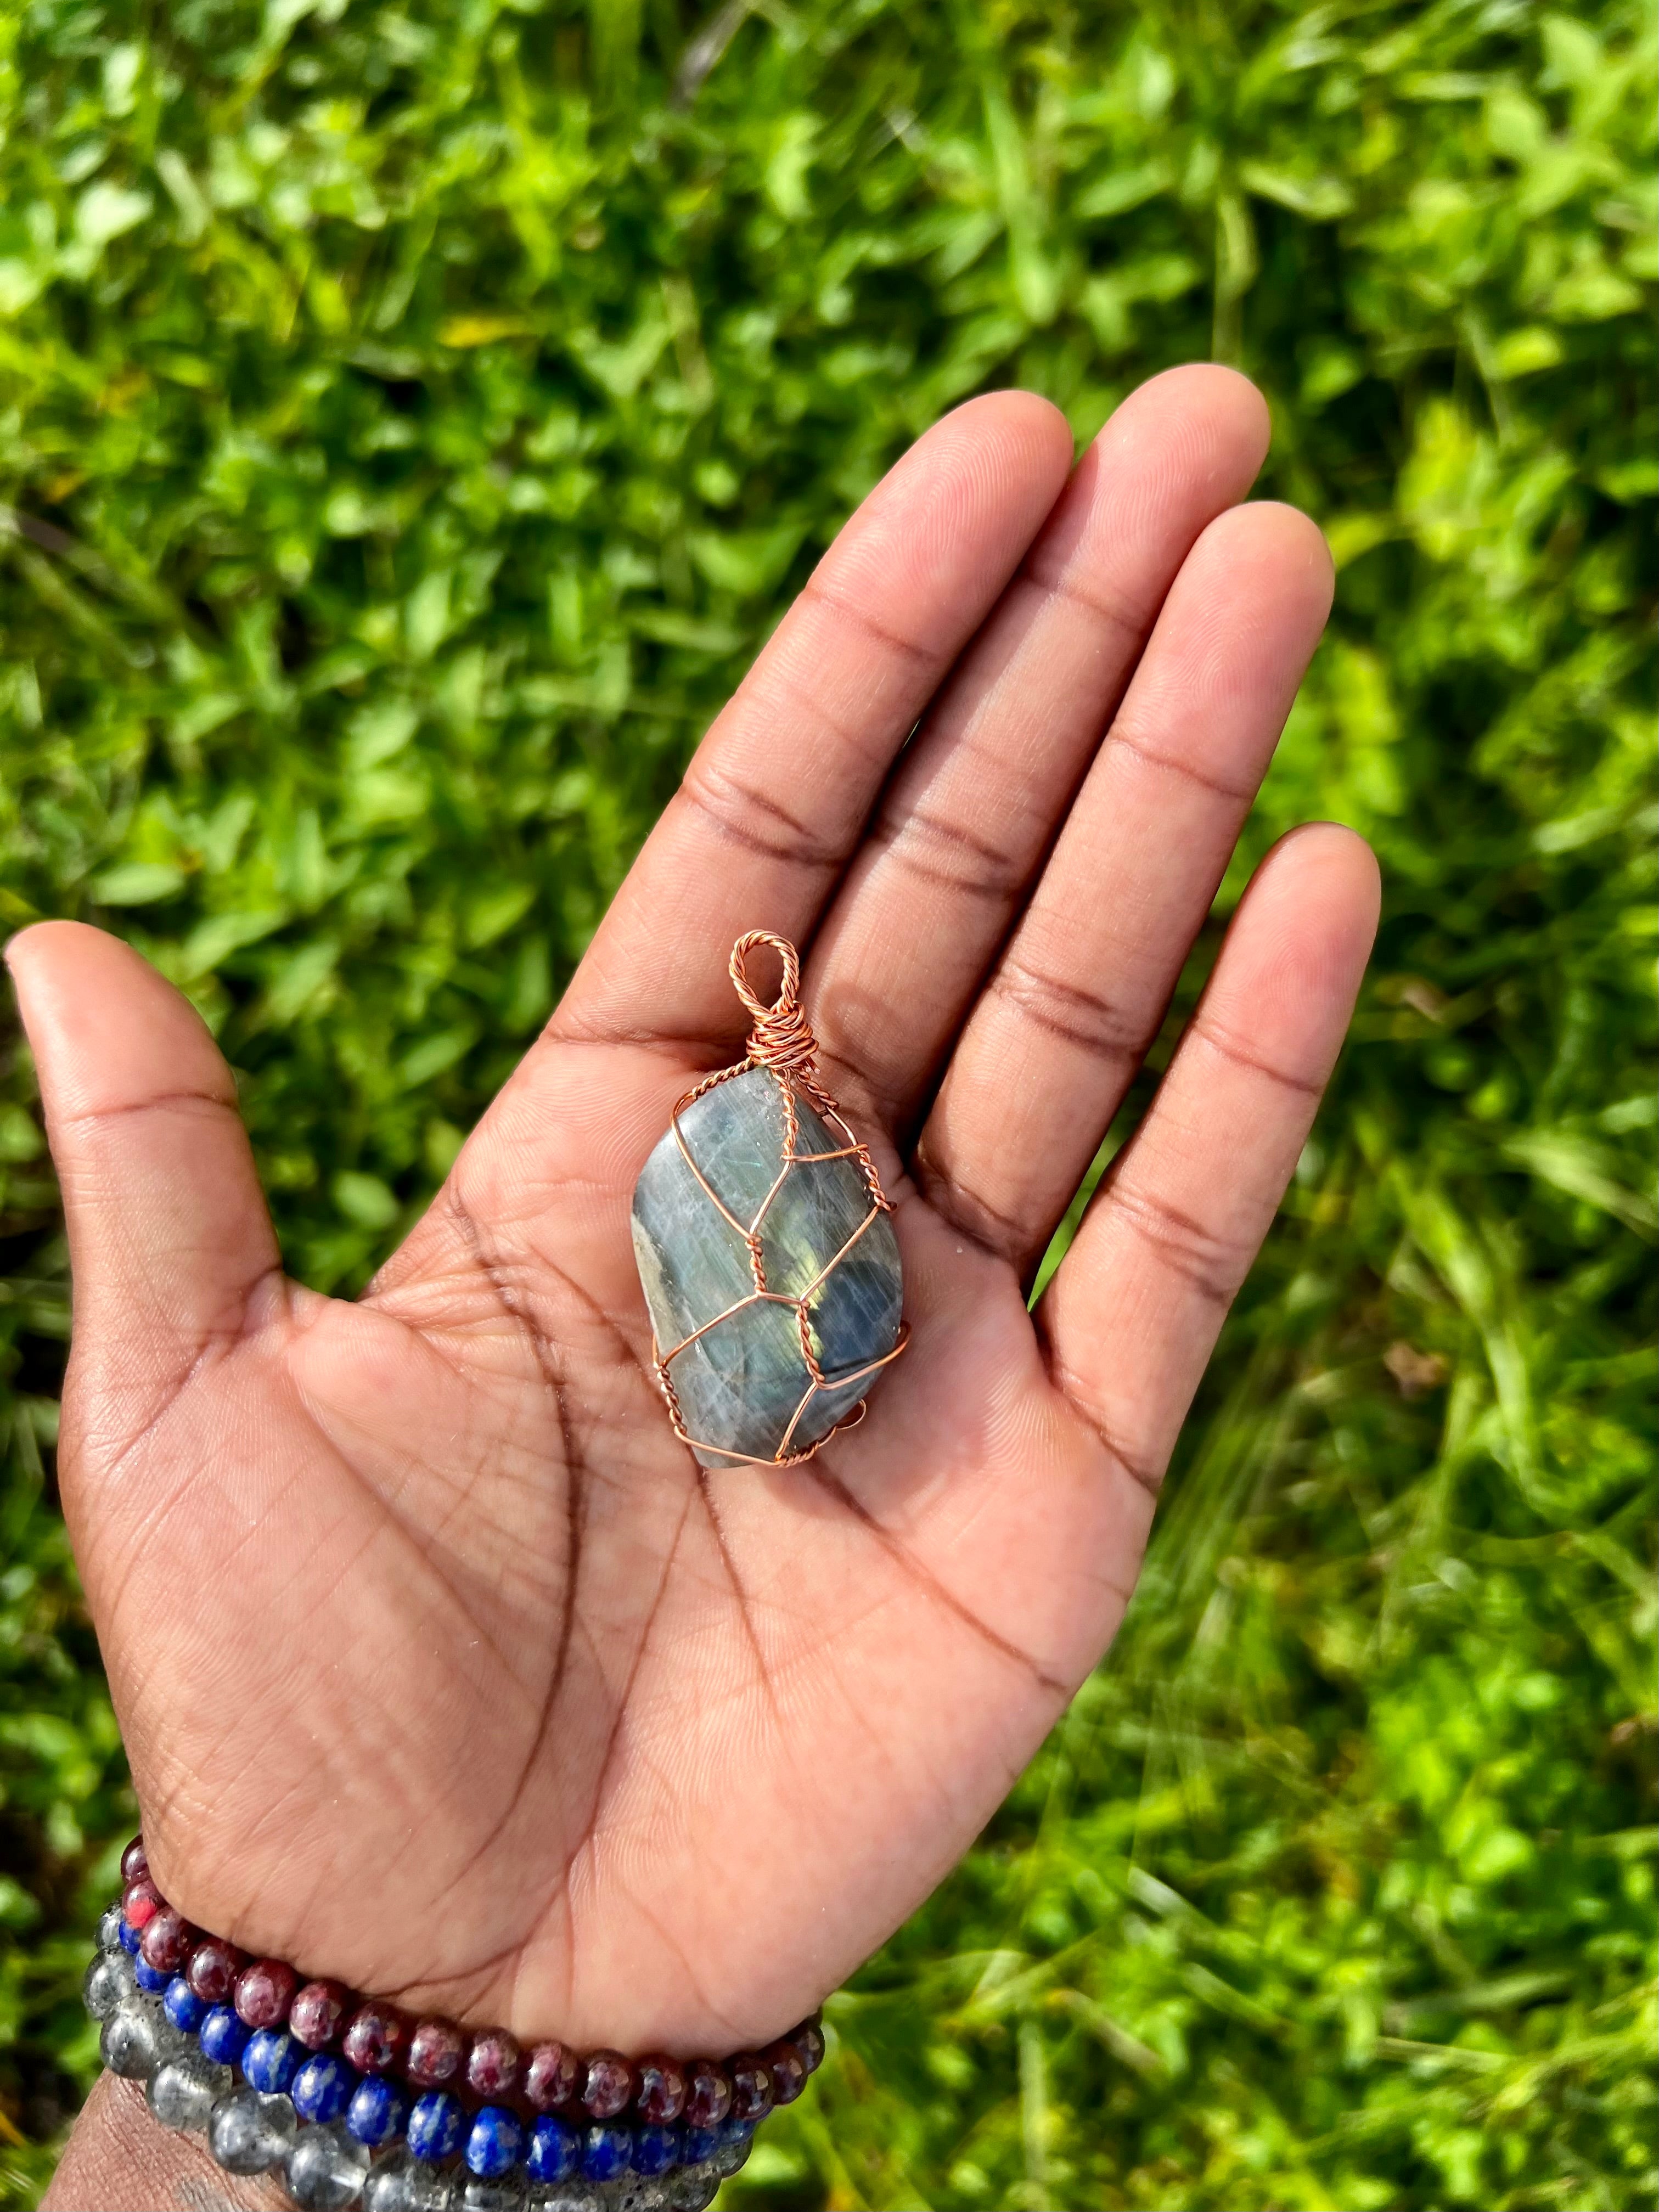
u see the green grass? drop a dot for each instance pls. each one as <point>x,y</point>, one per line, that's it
<point>411,419</point>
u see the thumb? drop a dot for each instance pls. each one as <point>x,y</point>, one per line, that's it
<point>170,1241</point>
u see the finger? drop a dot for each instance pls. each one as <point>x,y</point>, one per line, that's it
<point>778,792</point>
<point>1133,1315</point>
<point>974,804</point>
<point>1081,987</point>
<point>170,1240</point>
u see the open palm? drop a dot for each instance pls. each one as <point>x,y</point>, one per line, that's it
<point>442,1666</point>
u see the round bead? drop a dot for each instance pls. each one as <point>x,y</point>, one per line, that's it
<point>751,2086</point>
<point>504,2192</point>
<point>224,2036</point>
<point>555,2149</point>
<point>135,1862</point>
<point>270,2059</point>
<point>655,2149</point>
<point>493,2141</point>
<point>436,2125</point>
<point>109,1980</point>
<point>378,2110</point>
<point>322,2087</point>
<point>640,2192</point>
<point>212,1968</point>
<point>693,2191</point>
<point>325,2169</point>
<point>697,2144</point>
<point>608,2085</point>
<point>318,2013</point>
<point>153,1980</point>
<point>402,2184</point>
<point>606,2152</point>
<point>264,1991</point>
<point>808,2039</point>
<point>661,2097</point>
<point>182,2090</point>
<point>248,2133</point>
<point>735,2138</point>
<point>376,2037</point>
<point>182,2006</point>
<point>492,2065</point>
<point>109,1929</point>
<point>707,2094</point>
<point>788,2070</point>
<point>552,2076</point>
<point>132,1937</point>
<point>436,2050</point>
<point>140,1901</point>
<point>128,2044</point>
<point>166,1939</point>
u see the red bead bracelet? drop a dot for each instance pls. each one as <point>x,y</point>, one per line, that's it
<point>485,2066</point>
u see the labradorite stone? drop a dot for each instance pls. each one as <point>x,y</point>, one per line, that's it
<point>739,1385</point>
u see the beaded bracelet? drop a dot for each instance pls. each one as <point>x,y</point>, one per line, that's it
<point>351,2100</point>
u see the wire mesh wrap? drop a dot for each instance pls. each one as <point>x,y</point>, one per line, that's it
<point>782,1044</point>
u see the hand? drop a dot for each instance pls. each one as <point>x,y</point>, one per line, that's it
<point>442,1667</point>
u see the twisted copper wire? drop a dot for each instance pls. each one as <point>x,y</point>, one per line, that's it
<point>782,1043</point>
<point>782,1037</point>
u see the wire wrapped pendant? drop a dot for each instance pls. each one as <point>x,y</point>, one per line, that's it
<point>767,1260</point>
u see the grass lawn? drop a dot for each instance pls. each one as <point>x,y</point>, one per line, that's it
<point>411,419</point>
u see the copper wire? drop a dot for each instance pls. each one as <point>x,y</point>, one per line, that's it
<point>782,1043</point>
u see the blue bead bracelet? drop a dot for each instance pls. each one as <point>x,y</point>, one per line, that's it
<point>339,2132</point>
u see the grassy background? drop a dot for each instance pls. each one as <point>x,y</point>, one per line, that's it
<point>411,419</point>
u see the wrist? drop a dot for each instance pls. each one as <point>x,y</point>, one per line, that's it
<point>118,2156</point>
<point>351,2099</point>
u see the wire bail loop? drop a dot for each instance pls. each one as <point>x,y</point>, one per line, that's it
<point>782,1037</point>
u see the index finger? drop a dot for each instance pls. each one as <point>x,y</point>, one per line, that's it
<point>776,796</point>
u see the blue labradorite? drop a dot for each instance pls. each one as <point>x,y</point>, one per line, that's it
<point>182,2005</point>
<point>656,2149</point>
<point>555,2149</point>
<point>495,2142</point>
<point>224,2037</point>
<point>271,2060</point>
<point>606,2153</point>
<point>322,2087</point>
<point>378,2111</point>
<point>740,1386</point>
<point>436,2126</point>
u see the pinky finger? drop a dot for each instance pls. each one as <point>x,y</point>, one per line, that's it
<point>1133,1313</point>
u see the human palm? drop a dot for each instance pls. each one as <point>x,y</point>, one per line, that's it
<point>442,1666</point>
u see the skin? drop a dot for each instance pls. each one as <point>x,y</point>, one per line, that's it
<point>442,1667</point>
